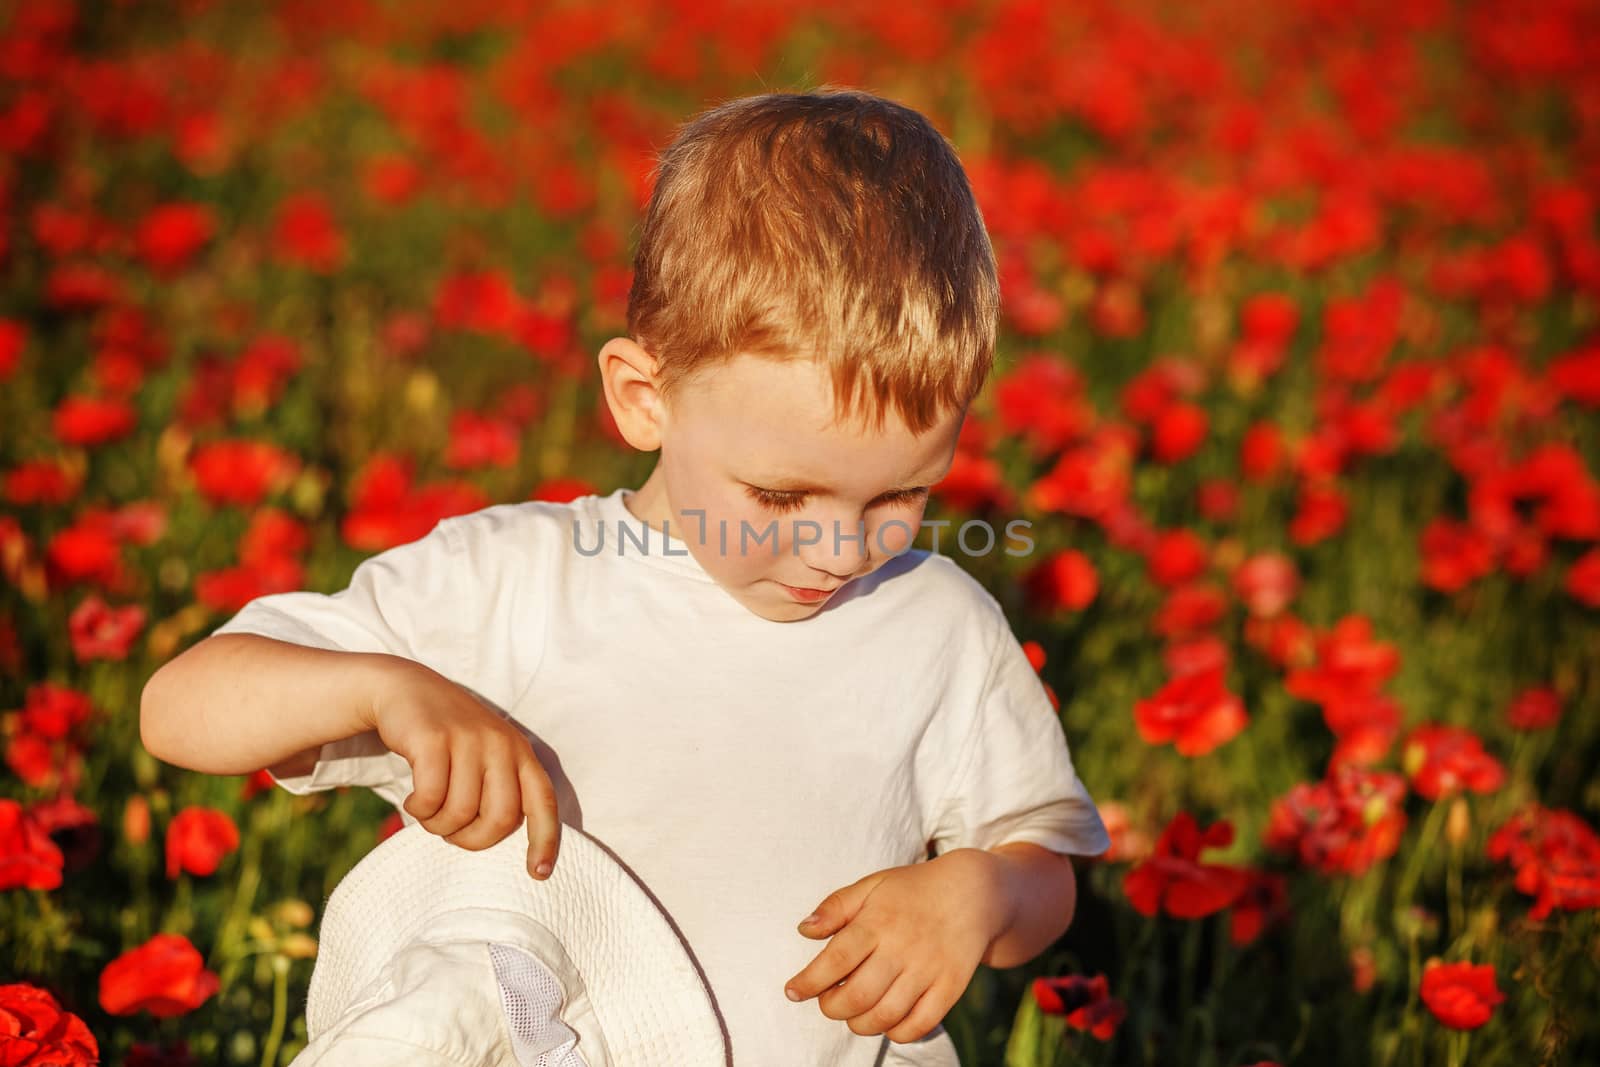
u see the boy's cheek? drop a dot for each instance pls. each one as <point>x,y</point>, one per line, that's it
<point>896,534</point>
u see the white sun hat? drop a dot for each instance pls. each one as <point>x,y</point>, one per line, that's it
<point>432,955</point>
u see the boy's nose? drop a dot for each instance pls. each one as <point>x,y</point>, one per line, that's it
<point>835,548</point>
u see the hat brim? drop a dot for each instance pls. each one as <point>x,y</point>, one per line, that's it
<point>649,999</point>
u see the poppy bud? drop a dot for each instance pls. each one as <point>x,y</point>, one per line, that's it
<point>1458,824</point>
<point>136,820</point>
<point>299,946</point>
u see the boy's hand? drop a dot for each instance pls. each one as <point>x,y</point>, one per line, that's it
<point>474,776</point>
<point>904,942</point>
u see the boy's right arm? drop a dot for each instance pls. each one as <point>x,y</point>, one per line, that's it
<point>235,702</point>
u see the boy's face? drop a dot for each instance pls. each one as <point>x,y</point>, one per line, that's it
<point>753,441</point>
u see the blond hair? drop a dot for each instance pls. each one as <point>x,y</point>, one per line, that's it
<point>834,225</point>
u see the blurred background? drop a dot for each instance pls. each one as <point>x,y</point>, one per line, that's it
<point>1297,383</point>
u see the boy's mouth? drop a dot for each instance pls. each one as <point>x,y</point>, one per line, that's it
<point>807,595</point>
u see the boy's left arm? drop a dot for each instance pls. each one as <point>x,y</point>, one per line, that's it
<point>903,943</point>
<point>926,927</point>
<point>1039,894</point>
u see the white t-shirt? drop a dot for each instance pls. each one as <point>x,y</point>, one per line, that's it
<point>742,769</point>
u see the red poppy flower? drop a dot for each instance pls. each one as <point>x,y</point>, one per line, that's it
<point>483,301</point>
<point>562,490</point>
<point>261,371</point>
<point>85,552</point>
<point>1441,760</point>
<point>13,339</point>
<point>390,826</point>
<point>389,511</point>
<point>975,483</point>
<point>256,783</point>
<point>477,441</point>
<point>100,631</point>
<point>170,235</point>
<point>1535,709</point>
<point>1156,388</point>
<point>1269,318</point>
<point>306,233</point>
<point>54,711</point>
<point>1190,609</point>
<point>1266,584</point>
<point>1343,824</point>
<point>1178,432</point>
<point>1194,711</point>
<point>1116,310</point>
<point>1454,555</point>
<point>1285,640</point>
<point>1217,500</point>
<point>1264,902</point>
<point>1583,580</point>
<point>36,1032</point>
<point>1261,454</point>
<point>1194,655</point>
<point>1176,556</point>
<point>241,472</point>
<point>1460,995</point>
<point>28,858</point>
<point>42,481</point>
<point>31,759</point>
<point>1128,842</point>
<point>1366,724</point>
<point>82,287</point>
<point>1349,662</point>
<point>1092,480</point>
<point>1042,400</point>
<point>1525,552</point>
<point>1086,1002</point>
<point>1577,376</point>
<point>1064,581</point>
<point>392,179</point>
<point>272,534</point>
<point>1174,880</point>
<point>91,421</point>
<point>1321,513</point>
<point>231,588</point>
<point>197,841</point>
<point>1555,855</point>
<point>165,976</point>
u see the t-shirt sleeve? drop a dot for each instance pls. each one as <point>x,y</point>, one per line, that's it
<point>1014,779</point>
<point>405,601</point>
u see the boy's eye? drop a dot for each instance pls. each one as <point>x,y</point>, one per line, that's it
<point>904,496</point>
<point>776,499</point>
<point>781,500</point>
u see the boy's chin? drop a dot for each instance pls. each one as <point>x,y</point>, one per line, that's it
<point>771,602</point>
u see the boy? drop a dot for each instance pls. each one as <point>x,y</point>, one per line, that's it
<point>738,677</point>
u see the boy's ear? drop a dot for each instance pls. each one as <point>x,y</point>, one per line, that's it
<point>628,376</point>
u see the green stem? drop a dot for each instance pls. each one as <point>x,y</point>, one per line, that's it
<point>244,895</point>
<point>1453,888</point>
<point>1190,959</point>
<point>1406,889</point>
<point>280,1011</point>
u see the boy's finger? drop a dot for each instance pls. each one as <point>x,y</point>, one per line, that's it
<point>430,779</point>
<point>499,809</point>
<point>544,822</point>
<point>461,805</point>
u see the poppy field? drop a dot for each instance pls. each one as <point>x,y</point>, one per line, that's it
<point>1298,384</point>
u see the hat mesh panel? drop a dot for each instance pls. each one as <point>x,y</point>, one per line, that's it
<point>532,999</point>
